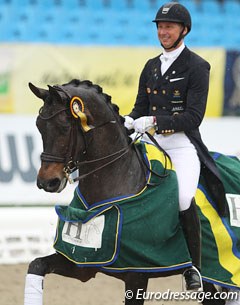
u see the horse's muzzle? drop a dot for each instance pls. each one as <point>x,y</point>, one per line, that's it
<point>51,177</point>
<point>54,185</point>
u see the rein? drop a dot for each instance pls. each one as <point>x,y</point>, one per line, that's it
<point>124,150</point>
<point>68,169</point>
<point>166,156</point>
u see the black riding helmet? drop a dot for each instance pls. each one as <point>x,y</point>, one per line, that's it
<point>174,12</point>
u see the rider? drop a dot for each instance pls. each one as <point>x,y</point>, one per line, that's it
<point>172,97</point>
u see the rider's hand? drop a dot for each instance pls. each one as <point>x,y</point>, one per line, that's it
<point>144,123</point>
<point>128,122</point>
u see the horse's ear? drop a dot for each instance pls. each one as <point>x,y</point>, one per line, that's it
<point>54,93</point>
<point>40,93</point>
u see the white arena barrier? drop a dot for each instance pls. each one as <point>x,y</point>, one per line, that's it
<point>20,149</point>
<point>222,134</point>
<point>26,233</point>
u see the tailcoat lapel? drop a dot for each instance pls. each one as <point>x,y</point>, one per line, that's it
<point>179,66</point>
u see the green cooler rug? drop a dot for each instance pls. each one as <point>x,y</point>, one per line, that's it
<point>221,235</point>
<point>141,232</point>
<point>135,232</point>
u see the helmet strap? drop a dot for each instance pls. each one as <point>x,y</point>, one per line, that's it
<point>181,36</point>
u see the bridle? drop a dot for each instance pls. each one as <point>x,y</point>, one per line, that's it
<point>73,165</point>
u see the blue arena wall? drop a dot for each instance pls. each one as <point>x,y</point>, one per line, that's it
<point>124,24</point>
<point>114,22</point>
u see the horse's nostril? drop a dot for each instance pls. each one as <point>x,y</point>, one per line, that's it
<point>39,184</point>
<point>51,185</point>
<point>54,183</point>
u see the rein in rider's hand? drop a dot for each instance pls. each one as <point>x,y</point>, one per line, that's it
<point>142,124</point>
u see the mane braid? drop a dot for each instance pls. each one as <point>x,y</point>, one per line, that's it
<point>86,82</point>
<point>77,82</point>
<point>99,90</point>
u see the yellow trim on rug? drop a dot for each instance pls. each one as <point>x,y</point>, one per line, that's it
<point>147,268</point>
<point>153,153</point>
<point>224,242</point>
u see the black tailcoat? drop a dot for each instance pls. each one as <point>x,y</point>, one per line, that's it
<point>178,100</point>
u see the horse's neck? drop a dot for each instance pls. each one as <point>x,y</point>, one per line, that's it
<point>125,176</point>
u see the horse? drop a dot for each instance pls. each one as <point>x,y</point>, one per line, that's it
<point>82,130</point>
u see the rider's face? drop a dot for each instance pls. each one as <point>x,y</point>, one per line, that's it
<point>168,33</point>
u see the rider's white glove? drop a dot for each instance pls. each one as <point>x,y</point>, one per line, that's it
<point>144,123</point>
<point>128,122</point>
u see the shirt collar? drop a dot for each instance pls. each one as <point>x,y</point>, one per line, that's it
<point>173,54</point>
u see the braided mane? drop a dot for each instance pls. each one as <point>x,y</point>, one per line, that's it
<point>77,83</point>
<point>99,90</point>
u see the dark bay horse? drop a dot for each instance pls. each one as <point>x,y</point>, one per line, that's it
<point>81,129</point>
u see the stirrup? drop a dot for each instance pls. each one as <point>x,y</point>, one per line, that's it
<point>184,288</point>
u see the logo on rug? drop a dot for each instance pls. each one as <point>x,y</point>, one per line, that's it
<point>234,208</point>
<point>87,235</point>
